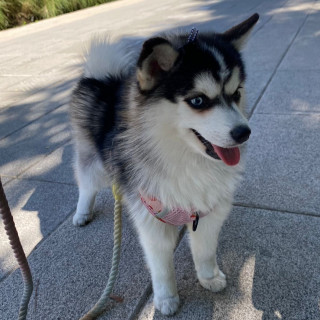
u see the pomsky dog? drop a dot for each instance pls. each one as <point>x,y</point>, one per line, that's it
<point>164,119</point>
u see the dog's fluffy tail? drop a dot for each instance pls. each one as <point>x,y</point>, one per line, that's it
<point>105,55</point>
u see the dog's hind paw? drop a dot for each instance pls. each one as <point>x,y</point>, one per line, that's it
<point>167,306</point>
<point>81,219</point>
<point>215,284</point>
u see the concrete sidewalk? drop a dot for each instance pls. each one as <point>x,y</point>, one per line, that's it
<point>270,246</point>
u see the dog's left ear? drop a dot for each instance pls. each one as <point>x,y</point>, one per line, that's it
<point>156,59</point>
<point>239,34</point>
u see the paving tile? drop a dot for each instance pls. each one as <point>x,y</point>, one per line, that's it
<point>30,144</point>
<point>37,208</point>
<point>303,55</point>
<point>291,91</point>
<point>268,45</point>
<point>255,83</point>
<point>271,261</point>
<point>57,167</point>
<point>281,170</point>
<point>70,271</point>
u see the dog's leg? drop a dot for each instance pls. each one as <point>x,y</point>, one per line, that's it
<point>203,244</point>
<point>158,241</point>
<point>85,205</point>
<point>89,183</point>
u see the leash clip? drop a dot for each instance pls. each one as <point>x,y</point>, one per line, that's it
<point>116,192</point>
<point>195,222</point>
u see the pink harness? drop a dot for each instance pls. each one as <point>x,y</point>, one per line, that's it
<point>176,217</point>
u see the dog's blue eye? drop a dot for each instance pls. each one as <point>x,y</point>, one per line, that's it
<point>197,102</point>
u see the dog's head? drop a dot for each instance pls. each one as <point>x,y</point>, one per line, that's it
<point>202,84</point>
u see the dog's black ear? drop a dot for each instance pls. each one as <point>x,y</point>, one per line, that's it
<point>156,58</point>
<point>239,34</point>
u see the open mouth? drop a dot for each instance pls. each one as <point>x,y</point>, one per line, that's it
<point>230,156</point>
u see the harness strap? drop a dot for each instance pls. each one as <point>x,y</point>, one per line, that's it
<point>176,216</point>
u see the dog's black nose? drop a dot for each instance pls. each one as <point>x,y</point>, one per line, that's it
<point>240,134</point>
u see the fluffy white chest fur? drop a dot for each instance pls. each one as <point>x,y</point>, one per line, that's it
<point>192,181</point>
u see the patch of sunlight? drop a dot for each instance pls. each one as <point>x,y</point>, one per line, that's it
<point>13,166</point>
<point>199,16</point>
<point>302,105</point>
<point>29,230</point>
<point>278,314</point>
<point>55,129</point>
<point>240,302</point>
<point>148,311</point>
<point>51,163</point>
<point>4,255</point>
<point>308,6</point>
<point>246,276</point>
<point>58,139</point>
<point>312,121</point>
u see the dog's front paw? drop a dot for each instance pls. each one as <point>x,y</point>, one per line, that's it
<point>216,283</point>
<point>81,219</point>
<point>167,306</point>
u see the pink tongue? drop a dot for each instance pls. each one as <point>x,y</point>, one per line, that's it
<point>230,156</point>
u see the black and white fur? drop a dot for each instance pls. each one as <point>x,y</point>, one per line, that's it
<point>136,120</point>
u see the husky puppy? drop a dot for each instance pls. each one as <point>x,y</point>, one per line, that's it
<point>164,120</point>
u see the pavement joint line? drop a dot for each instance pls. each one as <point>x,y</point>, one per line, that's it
<point>277,66</point>
<point>299,113</point>
<point>45,181</point>
<point>142,302</point>
<point>15,75</point>
<point>300,213</point>
<point>36,296</point>
<point>302,69</point>
<point>37,246</point>
<point>26,125</point>
<point>11,178</point>
<point>37,180</point>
